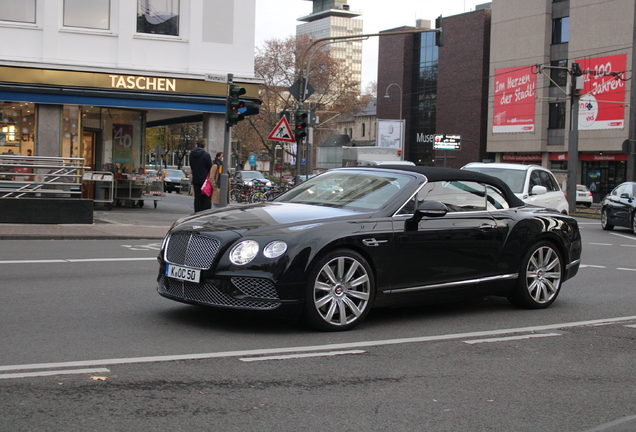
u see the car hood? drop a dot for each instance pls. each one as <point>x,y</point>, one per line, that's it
<point>265,217</point>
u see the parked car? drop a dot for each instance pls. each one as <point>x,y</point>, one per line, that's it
<point>250,177</point>
<point>175,180</point>
<point>618,208</point>
<point>532,184</point>
<point>352,238</point>
<point>584,196</point>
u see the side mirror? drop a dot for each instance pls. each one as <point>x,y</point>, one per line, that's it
<point>539,190</point>
<point>426,209</point>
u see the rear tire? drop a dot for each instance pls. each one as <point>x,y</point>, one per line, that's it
<point>540,277</point>
<point>339,292</point>
<point>605,221</point>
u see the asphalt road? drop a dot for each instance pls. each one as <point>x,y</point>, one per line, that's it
<point>87,344</point>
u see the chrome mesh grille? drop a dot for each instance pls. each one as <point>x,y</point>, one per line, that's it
<point>191,250</point>
<point>256,287</point>
<point>207,293</point>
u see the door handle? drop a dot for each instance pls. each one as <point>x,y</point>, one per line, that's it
<point>486,227</point>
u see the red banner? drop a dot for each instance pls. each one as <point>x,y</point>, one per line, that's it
<point>602,103</point>
<point>514,100</point>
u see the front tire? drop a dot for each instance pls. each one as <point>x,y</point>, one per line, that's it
<point>605,221</point>
<point>340,291</point>
<point>634,223</point>
<point>540,277</point>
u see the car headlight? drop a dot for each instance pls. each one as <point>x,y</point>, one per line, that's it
<point>244,252</point>
<point>275,249</point>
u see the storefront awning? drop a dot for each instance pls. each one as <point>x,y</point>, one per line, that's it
<point>118,100</point>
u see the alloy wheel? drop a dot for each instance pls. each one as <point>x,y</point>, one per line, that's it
<point>342,292</point>
<point>543,275</point>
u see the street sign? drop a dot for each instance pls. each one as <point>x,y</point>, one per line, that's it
<point>282,131</point>
<point>447,142</point>
<point>294,90</point>
<point>216,78</point>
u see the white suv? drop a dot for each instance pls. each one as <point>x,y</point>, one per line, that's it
<point>532,184</point>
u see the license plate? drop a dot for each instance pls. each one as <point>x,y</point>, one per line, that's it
<point>183,273</point>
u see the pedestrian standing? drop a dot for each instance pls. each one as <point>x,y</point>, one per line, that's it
<point>200,165</point>
<point>215,175</point>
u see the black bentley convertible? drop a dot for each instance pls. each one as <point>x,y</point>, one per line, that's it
<point>353,238</point>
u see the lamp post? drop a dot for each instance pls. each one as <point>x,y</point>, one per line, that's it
<point>386,95</point>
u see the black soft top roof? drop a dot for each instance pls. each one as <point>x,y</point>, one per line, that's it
<point>435,174</point>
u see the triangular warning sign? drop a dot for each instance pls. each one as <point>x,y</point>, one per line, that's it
<point>282,131</point>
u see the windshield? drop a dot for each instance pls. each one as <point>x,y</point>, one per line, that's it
<point>352,190</point>
<point>515,179</point>
<point>174,173</point>
<point>248,175</point>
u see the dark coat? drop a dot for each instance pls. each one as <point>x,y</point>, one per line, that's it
<point>200,164</point>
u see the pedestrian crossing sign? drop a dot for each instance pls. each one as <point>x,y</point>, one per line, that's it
<point>282,131</point>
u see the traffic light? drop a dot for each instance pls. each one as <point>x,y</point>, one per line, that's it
<point>439,31</point>
<point>232,114</point>
<point>300,131</point>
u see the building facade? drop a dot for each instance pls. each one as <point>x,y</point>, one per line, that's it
<point>535,46</point>
<point>87,78</point>
<point>442,90</point>
<point>331,18</point>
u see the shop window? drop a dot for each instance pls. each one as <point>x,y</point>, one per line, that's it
<point>560,30</point>
<point>364,129</point>
<point>158,17</point>
<point>70,133</point>
<point>94,14</point>
<point>557,116</point>
<point>17,11</point>
<point>17,128</point>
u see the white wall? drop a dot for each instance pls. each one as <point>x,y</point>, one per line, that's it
<point>216,36</point>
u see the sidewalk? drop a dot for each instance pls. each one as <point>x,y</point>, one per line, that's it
<point>128,222</point>
<point>125,222</point>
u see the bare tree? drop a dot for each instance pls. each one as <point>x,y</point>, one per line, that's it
<point>276,62</point>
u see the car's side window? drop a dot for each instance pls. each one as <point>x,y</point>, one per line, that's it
<point>535,180</point>
<point>495,200</point>
<point>618,191</point>
<point>458,196</point>
<point>548,181</point>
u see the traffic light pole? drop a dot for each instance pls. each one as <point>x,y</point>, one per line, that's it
<point>225,176</point>
<point>573,141</point>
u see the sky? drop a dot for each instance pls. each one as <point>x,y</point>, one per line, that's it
<point>276,19</point>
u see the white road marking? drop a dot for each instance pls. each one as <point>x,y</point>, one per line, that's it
<point>626,269</point>
<point>592,266</point>
<point>152,246</point>
<point>630,325</point>
<point>609,425</point>
<point>628,245</point>
<point>602,244</point>
<point>509,338</point>
<point>326,347</point>
<point>51,373</point>
<point>77,260</point>
<point>624,236</point>
<point>297,356</point>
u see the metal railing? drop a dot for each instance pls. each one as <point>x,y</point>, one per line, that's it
<point>40,177</point>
